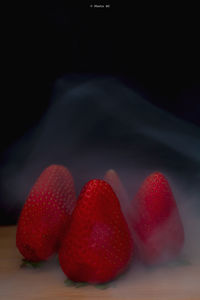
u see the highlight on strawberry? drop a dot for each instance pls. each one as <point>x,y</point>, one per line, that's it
<point>98,245</point>
<point>157,226</point>
<point>46,214</point>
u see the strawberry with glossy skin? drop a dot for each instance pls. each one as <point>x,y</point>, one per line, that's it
<point>156,222</point>
<point>46,214</point>
<point>98,245</point>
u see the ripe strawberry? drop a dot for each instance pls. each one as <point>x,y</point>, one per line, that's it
<point>158,229</point>
<point>46,214</point>
<point>98,245</point>
<point>113,179</point>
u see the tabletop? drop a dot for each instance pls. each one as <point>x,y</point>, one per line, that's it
<point>180,281</point>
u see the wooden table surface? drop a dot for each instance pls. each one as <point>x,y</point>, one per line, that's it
<point>169,282</point>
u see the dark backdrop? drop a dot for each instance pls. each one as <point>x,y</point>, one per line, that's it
<point>153,48</point>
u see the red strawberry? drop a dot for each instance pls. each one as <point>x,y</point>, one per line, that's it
<point>158,229</point>
<point>98,245</point>
<point>113,179</point>
<point>46,214</point>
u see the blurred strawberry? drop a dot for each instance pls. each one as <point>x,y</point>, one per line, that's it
<point>113,179</point>
<point>46,214</point>
<point>156,222</point>
<point>98,245</point>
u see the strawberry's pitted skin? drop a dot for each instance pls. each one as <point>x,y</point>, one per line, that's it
<point>156,222</point>
<point>98,245</point>
<point>46,214</point>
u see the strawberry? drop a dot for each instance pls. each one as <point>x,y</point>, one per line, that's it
<point>156,222</point>
<point>113,179</point>
<point>46,214</point>
<point>98,245</point>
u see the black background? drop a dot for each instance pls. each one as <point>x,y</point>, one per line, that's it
<point>153,49</point>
